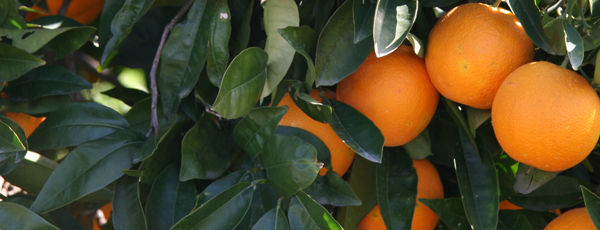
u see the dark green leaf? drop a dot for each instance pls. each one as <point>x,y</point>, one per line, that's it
<point>75,124</point>
<point>331,189</point>
<point>45,81</point>
<point>87,169</point>
<point>16,217</point>
<point>311,107</point>
<point>224,211</point>
<point>257,127</point>
<point>337,55</point>
<point>323,154</point>
<point>15,62</point>
<point>574,44</point>
<point>222,184</point>
<point>62,40</point>
<point>450,211</point>
<point>290,162</point>
<point>561,192</point>
<point>420,147</point>
<point>139,116</point>
<point>393,20</point>
<point>306,213</point>
<point>274,219</point>
<point>303,39</point>
<point>478,184</point>
<point>438,3</point>
<point>169,200</point>
<point>128,213</point>
<point>12,138</point>
<point>396,189</point>
<point>127,95</point>
<point>278,15</point>
<point>459,119</point>
<point>111,7</point>
<point>241,17</point>
<point>10,17</point>
<point>363,13</point>
<point>523,219</point>
<point>529,16</point>
<point>218,21</point>
<point>31,173</point>
<point>205,151</point>
<point>42,105</point>
<point>362,183</point>
<point>357,131</point>
<point>592,204</point>
<point>182,59</point>
<point>121,25</point>
<point>242,84</point>
<point>595,8</point>
<point>529,178</point>
<point>476,117</point>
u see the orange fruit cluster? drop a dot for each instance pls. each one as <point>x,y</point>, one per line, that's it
<point>82,11</point>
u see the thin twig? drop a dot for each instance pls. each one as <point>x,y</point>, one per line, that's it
<point>63,7</point>
<point>154,109</point>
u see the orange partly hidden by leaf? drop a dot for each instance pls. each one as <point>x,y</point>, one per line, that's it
<point>394,92</point>
<point>107,212</point>
<point>27,122</point>
<point>574,219</point>
<point>472,49</point>
<point>83,11</point>
<point>546,116</point>
<point>429,186</point>
<point>341,154</point>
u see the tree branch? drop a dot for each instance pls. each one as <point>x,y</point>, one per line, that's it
<point>154,126</point>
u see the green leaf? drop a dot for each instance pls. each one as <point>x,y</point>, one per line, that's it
<point>257,127</point>
<point>306,213</point>
<point>222,184</point>
<point>363,13</point>
<point>357,131</point>
<point>13,140</point>
<point>31,173</point>
<point>16,217</point>
<point>224,211</point>
<point>62,40</point>
<point>241,17</point>
<point>11,18</point>
<point>290,162</point>
<point>111,7</point>
<point>555,32</point>
<point>574,44</point>
<point>523,219</point>
<point>76,124</point>
<point>393,20</point>
<point>169,200</point>
<point>476,117</point>
<point>561,192</point>
<point>242,84</point>
<point>450,211</point>
<point>459,118</point>
<point>337,55</point>
<point>205,151</point>
<point>218,21</point>
<point>45,81</point>
<point>331,189</point>
<point>42,105</point>
<point>139,116</point>
<point>128,213</point>
<point>420,147</point>
<point>396,189</point>
<point>592,204</point>
<point>595,8</point>
<point>86,169</point>
<point>15,62</point>
<point>362,183</point>
<point>438,3</point>
<point>278,15</point>
<point>127,95</point>
<point>529,16</point>
<point>182,59</point>
<point>478,184</point>
<point>304,40</point>
<point>529,178</point>
<point>121,25</point>
<point>274,219</point>
<point>311,107</point>
<point>596,80</point>
<point>323,154</point>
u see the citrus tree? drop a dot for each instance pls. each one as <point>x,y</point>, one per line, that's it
<point>306,114</point>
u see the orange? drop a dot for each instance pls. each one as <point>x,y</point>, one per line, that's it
<point>83,11</point>
<point>27,122</point>
<point>429,186</point>
<point>574,219</point>
<point>546,116</point>
<point>394,92</point>
<point>507,205</point>
<point>472,49</point>
<point>341,154</point>
<point>106,211</point>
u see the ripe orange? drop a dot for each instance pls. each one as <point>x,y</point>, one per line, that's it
<point>429,186</point>
<point>27,122</point>
<point>546,116</point>
<point>507,205</point>
<point>341,154</point>
<point>83,11</point>
<point>574,219</point>
<point>106,211</point>
<point>393,91</point>
<point>472,49</point>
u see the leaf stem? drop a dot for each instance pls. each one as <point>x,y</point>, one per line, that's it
<point>64,7</point>
<point>154,126</point>
<point>497,3</point>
